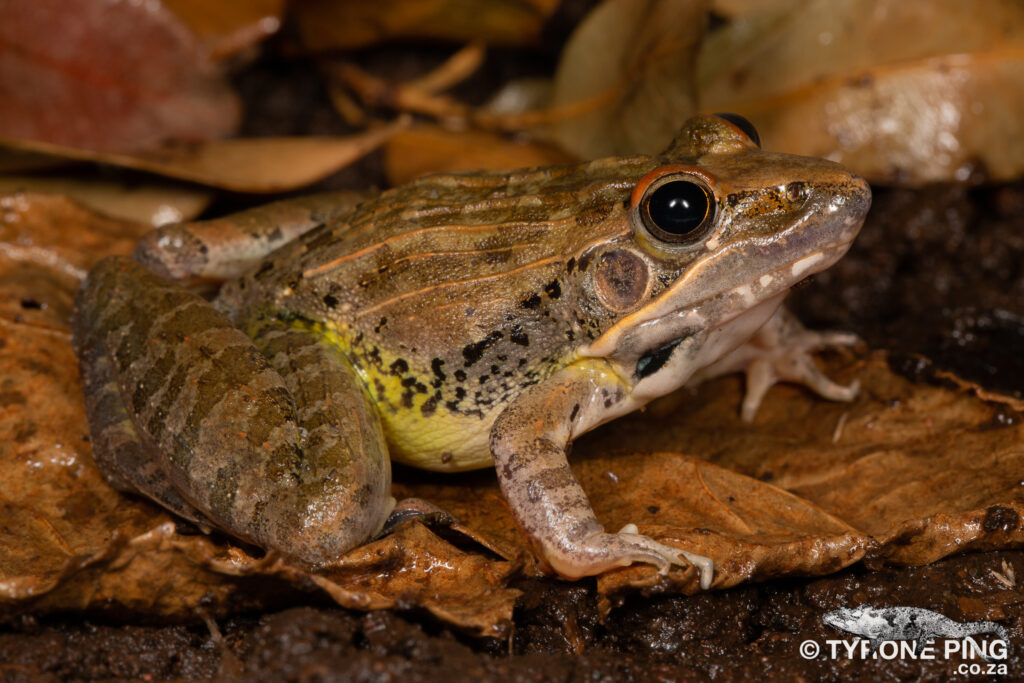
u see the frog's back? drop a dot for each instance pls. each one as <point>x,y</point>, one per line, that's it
<point>449,294</point>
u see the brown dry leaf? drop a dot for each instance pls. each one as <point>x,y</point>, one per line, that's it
<point>905,91</point>
<point>332,25</point>
<point>114,76</point>
<point>429,149</point>
<point>737,8</point>
<point>69,541</point>
<point>908,473</point>
<point>148,202</point>
<point>243,164</point>
<point>628,73</point>
<point>228,26</point>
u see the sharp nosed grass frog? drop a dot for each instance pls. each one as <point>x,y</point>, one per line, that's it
<point>457,322</point>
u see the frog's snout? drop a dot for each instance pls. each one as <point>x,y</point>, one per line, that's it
<point>843,203</point>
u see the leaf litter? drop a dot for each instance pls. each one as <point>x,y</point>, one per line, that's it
<point>908,473</point>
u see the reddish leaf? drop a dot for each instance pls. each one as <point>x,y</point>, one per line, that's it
<point>115,76</point>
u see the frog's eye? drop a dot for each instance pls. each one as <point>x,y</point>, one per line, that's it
<point>675,207</point>
<point>743,124</point>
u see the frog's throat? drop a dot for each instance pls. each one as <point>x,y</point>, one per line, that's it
<point>670,318</point>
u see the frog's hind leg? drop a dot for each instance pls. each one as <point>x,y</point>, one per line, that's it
<point>222,248</point>
<point>184,408</point>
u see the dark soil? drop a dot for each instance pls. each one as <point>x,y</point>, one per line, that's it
<point>937,276</point>
<point>747,633</point>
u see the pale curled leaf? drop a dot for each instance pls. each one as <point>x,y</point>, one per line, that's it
<point>629,68</point>
<point>150,203</point>
<point>228,26</point>
<point>905,92</point>
<point>255,165</point>
<point>423,150</point>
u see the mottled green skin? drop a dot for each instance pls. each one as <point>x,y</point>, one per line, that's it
<point>447,321</point>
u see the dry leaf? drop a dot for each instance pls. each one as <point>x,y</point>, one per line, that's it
<point>69,541</point>
<point>331,25</point>
<point>423,150</point>
<point>228,26</point>
<point>738,8</point>
<point>243,164</point>
<point>114,76</point>
<point>908,473</point>
<point>905,91</point>
<point>628,72</point>
<point>150,203</point>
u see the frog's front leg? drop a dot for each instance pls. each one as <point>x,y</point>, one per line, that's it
<point>781,351</point>
<point>275,442</point>
<point>529,441</point>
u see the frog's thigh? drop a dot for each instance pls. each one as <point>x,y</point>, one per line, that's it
<point>189,410</point>
<point>529,441</point>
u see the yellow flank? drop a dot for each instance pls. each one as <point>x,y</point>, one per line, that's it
<point>443,441</point>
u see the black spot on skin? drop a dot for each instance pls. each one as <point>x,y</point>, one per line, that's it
<point>453,406</point>
<point>421,388</point>
<point>653,509</point>
<point>502,357</point>
<point>460,375</point>
<point>585,260</point>
<point>484,378</point>
<point>430,405</point>
<point>407,399</point>
<point>574,413</point>
<point>570,335</point>
<point>474,352</point>
<point>522,362</point>
<point>553,289</point>
<point>31,304</point>
<point>382,323</point>
<point>435,366</point>
<point>409,382</point>
<point>519,337</point>
<point>571,265</point>
<point>460,393</point>
<point>330,301</point>
<point>608,403</point>
<point>399,367</point>
<point>533,301</point>
<point>495,370</point>
<point>653,361</point>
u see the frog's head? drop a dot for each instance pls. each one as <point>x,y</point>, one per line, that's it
<point>719,231</point>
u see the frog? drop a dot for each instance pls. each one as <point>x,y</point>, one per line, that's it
<point>468,320</point>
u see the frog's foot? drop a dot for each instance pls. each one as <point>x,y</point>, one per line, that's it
<point>602,551</point>
<point>781,352</point>
<point>790,360</point>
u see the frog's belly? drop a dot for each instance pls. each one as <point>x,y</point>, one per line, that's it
<point>444,442</point>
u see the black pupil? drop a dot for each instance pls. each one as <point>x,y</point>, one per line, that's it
<point>678,207</point>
